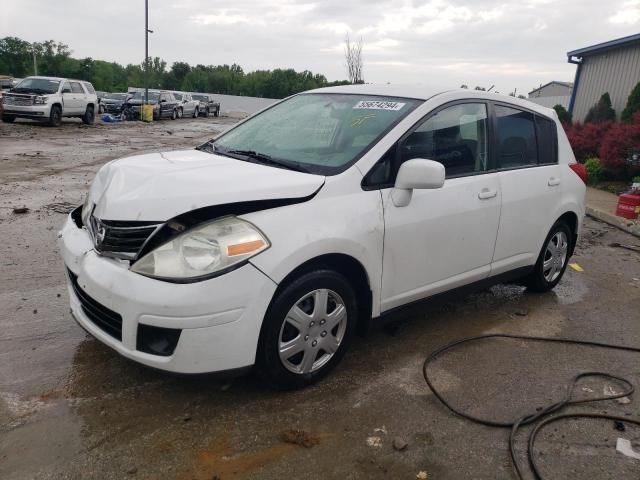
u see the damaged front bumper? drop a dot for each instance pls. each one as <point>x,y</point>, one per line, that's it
<point>206,326</point>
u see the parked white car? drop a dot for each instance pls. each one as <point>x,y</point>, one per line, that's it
<point>50,99</point>
<point>187,106</point>
<point>271,245</point>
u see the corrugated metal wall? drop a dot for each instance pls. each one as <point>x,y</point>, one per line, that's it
<point>615,71</point>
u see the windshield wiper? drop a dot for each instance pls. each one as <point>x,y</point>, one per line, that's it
<point>250,156</point>
<point>265,159</point>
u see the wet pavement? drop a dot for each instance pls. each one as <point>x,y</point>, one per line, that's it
<point>71,408</point>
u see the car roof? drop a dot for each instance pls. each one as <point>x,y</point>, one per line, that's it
<point>61,79</point>
<point>423,92</point>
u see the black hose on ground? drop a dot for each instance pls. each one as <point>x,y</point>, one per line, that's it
<point>554,407</point>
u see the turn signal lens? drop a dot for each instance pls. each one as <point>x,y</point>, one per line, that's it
<point>244,248</point>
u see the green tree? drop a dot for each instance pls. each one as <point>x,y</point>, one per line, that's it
<point>15,57</point>
<point>633,104</point>
<point>601,111</point>
<point>563,115</point>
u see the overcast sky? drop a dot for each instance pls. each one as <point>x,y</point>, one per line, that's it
<point>518,44</point>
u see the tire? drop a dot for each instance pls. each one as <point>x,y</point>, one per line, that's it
<point>174,114</point>
<point>89,116</point>
<point>553,259</point>
<point>308,361</point>
<point>8,118</point>
<point>216,113</point>
<point>206,113</point>
<point>180,113</point>
<point>196,113</point>
<point>100,109</point>
<point>55,116</point>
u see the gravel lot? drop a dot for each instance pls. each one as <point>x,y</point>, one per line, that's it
<point>71,408</point>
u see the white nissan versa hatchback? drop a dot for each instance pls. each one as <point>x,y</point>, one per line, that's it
<point>271,245</point>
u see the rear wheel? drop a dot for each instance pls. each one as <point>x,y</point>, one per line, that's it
<point>553,259</point>
<point>306,330</point>
<point>55,117</point>
<point>89,116</point>
<point>8,118</point>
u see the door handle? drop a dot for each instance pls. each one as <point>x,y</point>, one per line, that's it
<point>487,193</point>
<point>553,182</point>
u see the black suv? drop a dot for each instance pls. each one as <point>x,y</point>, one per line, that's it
<point>207,104</point>
<point>164,105</point>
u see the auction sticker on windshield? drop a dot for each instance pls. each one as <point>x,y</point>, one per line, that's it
<point>378,105</point>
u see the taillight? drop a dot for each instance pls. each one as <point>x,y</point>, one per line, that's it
<point>580,170</point>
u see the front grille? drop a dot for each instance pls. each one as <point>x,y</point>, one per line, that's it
<point>120,239</point>
<point>106,320</point>
<point>21,100</point>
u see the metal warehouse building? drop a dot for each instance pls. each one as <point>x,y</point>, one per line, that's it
<point>612,67</point>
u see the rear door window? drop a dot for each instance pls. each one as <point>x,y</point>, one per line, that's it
<point>89,88</point>
<point>76,87</point>
<point>516,135</point>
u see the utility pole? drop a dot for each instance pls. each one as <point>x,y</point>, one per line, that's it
<point>35,62</point>
<point>146,52</point>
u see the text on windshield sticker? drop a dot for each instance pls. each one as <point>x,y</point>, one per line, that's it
<point>378,105</point>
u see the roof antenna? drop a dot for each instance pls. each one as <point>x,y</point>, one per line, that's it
<point>490,88</point>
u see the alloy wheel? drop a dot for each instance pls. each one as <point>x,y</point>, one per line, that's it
<point>555,256</point>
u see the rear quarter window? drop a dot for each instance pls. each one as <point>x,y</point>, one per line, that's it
<point>89,88</point>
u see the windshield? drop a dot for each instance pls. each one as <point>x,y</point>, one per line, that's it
<point>37,85</point>
<point>201,98</point>
<point>153,96</point>
<point>322,132</point>
<point>178,96</point>
<point>115,96</point>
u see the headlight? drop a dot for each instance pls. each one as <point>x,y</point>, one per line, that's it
<point>205,250</point>
<point>40,100</point>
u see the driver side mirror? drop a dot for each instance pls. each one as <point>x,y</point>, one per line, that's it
<point>413,174</point>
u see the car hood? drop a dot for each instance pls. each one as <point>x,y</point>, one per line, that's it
<point>111,100</point>
<point>160,186</point>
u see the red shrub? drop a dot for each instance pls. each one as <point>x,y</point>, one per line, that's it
<point>585,139</point>
<point>620,140</point>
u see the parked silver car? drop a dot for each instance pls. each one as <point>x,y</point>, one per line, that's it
<point>187,106</point>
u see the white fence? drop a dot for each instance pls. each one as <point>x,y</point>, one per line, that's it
<point>231,105</point>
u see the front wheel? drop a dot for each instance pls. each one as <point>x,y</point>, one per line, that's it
<point>217,112</point>
<point>55,117</point>
<point>8,118</point>
<point>101,109</point>
<point>196,113</point>
<point>174,114</point>
<point>552,261</point>
<point>306,330</point>
<point>180,112</point>
<point>206,113</point>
